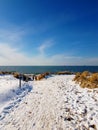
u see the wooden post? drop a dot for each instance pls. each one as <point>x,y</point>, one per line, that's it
<point>20,80</point>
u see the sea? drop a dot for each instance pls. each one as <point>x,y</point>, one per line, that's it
<point>52,69</point>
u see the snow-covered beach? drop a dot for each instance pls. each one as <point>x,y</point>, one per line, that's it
<point>55,103</point>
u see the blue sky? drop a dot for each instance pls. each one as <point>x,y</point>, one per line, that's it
<point>48,32</point>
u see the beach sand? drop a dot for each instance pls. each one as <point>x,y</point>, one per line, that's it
<point>55,103</point>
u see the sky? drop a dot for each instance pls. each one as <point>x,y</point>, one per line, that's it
<point>49,32</point>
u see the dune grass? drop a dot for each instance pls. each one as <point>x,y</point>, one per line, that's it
<point>87,79</point>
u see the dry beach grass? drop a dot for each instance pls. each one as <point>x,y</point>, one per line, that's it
<point>87,79</point>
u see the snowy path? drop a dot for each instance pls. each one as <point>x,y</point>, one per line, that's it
<point>55,104</point>
<point>40,110</point>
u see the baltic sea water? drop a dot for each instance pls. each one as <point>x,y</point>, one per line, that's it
<point>42,69</point>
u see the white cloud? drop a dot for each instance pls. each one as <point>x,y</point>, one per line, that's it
<point>12,33</point>
<point>13,56</point>
<point>47,44</point>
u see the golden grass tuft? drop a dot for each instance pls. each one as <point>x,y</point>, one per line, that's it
<point>16,75</point>
<point>85,74</point>
<point>64,72</point>
<point>1,73</point>
<point>94,78</point>
<point>87,80</point>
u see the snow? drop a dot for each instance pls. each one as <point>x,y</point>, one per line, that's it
<point>55,103</point>
<point>10,93</point>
